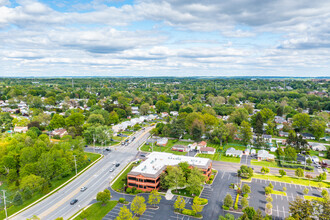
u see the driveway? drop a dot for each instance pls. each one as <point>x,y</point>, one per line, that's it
<point>246,160</point>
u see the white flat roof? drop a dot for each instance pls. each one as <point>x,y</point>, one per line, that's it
<point>157,161</point>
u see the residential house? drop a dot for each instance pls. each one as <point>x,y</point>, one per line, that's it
<point>267,138</point>
<point>233,152</point>
<point>265,155</point>
<point>273,149</point>
<point>325,163</point>
<point>162,142</point>
<point>308,136</point>
<point>317,146</point>
<point>59,132</point>
<point>207,150</point>
<point>283,134</point>
<point>135,110</point>
<point>315,159</point>
<point>246,151</point>
<point>18,129</point>
<point>194,146</point>
<point>253,152</point>
<point>180,148</point>
<point>202,144</point>
<point>174,113</point>
<point>164,114</point>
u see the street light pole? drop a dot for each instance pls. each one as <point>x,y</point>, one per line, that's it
<point>75,163</point>
<point>4,200</point>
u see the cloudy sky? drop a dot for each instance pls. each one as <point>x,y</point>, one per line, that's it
<point>164,38</point>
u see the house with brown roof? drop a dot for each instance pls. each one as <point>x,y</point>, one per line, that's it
<point>180,148</point>
<point>59,132</point>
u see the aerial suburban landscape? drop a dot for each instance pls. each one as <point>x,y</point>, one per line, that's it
<point>164,110</point>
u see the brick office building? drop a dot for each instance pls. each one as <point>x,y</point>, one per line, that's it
<point>146,176</point>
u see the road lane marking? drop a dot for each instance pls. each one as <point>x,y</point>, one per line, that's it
<point>58,204</point>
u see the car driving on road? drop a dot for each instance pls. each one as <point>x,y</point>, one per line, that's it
<point>82,189</point>
<point>74,201</point>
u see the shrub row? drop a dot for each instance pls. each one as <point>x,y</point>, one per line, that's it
<point>201,200</point>
<point>290,165</point>
<point>236,202</point>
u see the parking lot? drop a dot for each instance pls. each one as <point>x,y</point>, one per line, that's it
<point>280,203</point>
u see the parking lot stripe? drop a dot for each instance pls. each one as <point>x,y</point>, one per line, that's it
<point>228,177</point>
<point>223,174</point>
<point>283,211</point>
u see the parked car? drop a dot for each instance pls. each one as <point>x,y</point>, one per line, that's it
<point>108,149</point>
<point>142,155</point>
<point>82,189</point>
<point>74,201</point>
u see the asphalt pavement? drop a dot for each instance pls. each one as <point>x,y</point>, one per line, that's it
<point>95,179</point>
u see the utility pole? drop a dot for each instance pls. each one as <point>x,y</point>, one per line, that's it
<point>4,200</point>
<point>75,163</point>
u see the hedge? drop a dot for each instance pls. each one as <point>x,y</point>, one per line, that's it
<point>201,200</point>
<point>236,202</point>
<point>290,165</point>
<point>188,212</point>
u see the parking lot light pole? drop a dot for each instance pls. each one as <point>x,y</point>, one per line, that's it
<point>4,200</point>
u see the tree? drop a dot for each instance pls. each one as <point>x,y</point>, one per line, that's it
<point>264,170</point>
<point>271,186</point>
<point>269,206</point>
<point>250,212</point>
<point>161,106</point>
<point>124,214</point>
<point>228,201</point>
<point>179,204</point>
<point>269,199</point>
<point>27,193</point>
<point>309,161</point>
<point>221,132</point>
<point>258,127</point>
<point>96,119</point>
<point>57,121</point>
<point>245,172</point>
<point>258,215</point>
<point>244,202</point>
<point>245,132</point>
<point>197,128</point>
<point>103,197</point>
<point>195,181</point>
<point>197,207</point>
<point>246,189</point>
<point>113,118</point>
<point>75,120</point>
<point>144,108</point>
<point>18,199</point>
<point>228,216</point>
<point>154,197</point>
<point>268,190</point>
<point>321,177</point>
<point>138,205</point>
<point>318,128</point>
<point>175,177</point>
<point>239,115</point>
<point>300,208</point>
<point>299,172</point>
<point>290,154</point>
<point>324,193</point>
<point>33,182</point>
<point>305,191</point>
<point>301,121</point>
<point>282,173</point>
<point>284,189</point>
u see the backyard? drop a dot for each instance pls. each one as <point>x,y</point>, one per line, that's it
<point>167,148</point>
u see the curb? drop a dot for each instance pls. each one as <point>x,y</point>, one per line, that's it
<point>79,212</point>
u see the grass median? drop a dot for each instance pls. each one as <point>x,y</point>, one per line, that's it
<point>293,180</point>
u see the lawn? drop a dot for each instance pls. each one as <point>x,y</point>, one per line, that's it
<point>313,198</point>
<point>55,183</point>
<point>182,192</point>
<point>264,163</point>
<point>293,180</point>
<point>122,179</point>
<point>97,211</point>
<point>167,148</point>
<point>279,192</point>
<point>217,157</point>
<point>316,153</point>
<point>234,145</point>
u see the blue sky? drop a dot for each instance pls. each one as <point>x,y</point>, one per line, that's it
<point>164,38</point>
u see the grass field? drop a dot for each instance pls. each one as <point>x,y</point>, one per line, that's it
<point>217,157</point>
<point>167,148</point>
<point>293,180</point>
<point>119,183</point>
<point>97,211</point>
<point>264,163</point>
<point>181,192</point>
<point>55,183</point>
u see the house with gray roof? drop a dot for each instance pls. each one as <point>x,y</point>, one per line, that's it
<point>265,155</point>
<point>233,152</point>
